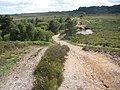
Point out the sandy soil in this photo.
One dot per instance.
(88, 70)
(21, 78)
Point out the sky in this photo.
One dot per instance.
(32, 6)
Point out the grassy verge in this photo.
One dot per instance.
(12, 51)
(115, 52)
(6, 46)
(49, 71)
(9, 59)
(10, 46)
(112, 51)
(109, 50)
(36, 42)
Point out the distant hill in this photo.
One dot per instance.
(100, 9)
(80, 11)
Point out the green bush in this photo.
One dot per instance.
(7, 37)
(0, 38)
(42, 35)
(49, 71)
(45, 84)
(57, 52)
(40, 24)
(0, 35)
(54, 26)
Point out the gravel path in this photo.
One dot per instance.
(88, 70)
(21, 78)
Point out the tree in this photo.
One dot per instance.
(61, 20)
(7, 37)
(70, 27)
(0, 35)
(36, 21)
(68, 19)
(5, 25)
(54, 26)
(15, 33)
(22, 29)
(100, 9)
(62, 27)
(43, 25)
(81, 16)
(29, 31)
(39, 34)
(49, 35)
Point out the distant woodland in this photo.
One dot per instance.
(100, 9)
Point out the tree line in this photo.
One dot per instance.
(22, 31)
(33, 29)
(100, 9)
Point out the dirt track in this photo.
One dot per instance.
(21, 78)
(88, 70)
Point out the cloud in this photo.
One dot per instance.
(115, 1)
(5, 3)
(28, 6)
(25, 6)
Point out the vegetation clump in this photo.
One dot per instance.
(27, 30)
(10, 54)
(49, 72)
(106, 34)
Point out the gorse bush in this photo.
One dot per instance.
(49, 71)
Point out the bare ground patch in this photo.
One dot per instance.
(21, 78)
(88, 70)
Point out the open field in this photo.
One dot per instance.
(106, 32)
(47, 15)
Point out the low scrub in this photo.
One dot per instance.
(6, 46)
(10, 46)
(36, 42)
(9, 59)
(112, 51)
(49, 71)
(106, 37)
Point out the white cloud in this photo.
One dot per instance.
(115, 1)
(27, 6)
(16, 1)
(74, 4)
(39, 5)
